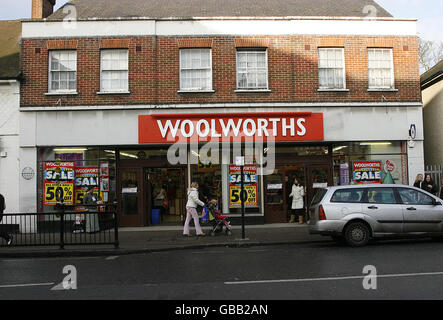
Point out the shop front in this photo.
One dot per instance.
(146, 168)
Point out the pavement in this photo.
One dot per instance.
(157, 239)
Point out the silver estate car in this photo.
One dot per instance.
(361, 212)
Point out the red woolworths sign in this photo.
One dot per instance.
(171, 128)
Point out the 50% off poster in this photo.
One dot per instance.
(59, 183)
(250, 186)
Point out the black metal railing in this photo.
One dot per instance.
(65, 227)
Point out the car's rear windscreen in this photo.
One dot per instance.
(318, 196)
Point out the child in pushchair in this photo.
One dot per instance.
(218, 221)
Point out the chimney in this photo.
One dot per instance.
(42, 8)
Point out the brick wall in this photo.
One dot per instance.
(154, 70)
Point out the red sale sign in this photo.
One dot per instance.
(367, 172)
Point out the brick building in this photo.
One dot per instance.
(141, 88)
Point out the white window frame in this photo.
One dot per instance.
(118, 90)
(246, 89)
(392, 85)
(326, 88)
(207, 69)
(50, 72)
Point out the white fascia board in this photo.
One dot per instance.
(83, 29)
(287, 27)
(224, 106)
(217, 27)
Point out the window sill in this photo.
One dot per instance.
(332, 90)
(62, 93)
(195, 91)
(382, 90)
(252, 91)
(113, 92)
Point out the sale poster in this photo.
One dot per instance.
(367, 172)
(86, 177)
(250, 186)
(59, 183)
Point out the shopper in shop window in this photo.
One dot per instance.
(191, 211)
(92, 222)
(418, 181)
(429, 185)
(297, 195)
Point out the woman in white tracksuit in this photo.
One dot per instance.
(297, 194)
(191, 211)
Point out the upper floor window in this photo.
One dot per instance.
(114, 70)
(252, 69)
(62, 71)
(381, 70)
(331, 68)
(195, 70)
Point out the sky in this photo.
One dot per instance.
(428, 12)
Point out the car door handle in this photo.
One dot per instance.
(373, 207)
(411, 209)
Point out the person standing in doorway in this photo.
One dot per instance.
(288, 189)
(297, 194)
(191, 211)
(3, 235)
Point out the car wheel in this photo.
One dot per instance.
(357, 234)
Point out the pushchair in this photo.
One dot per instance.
(218, 221)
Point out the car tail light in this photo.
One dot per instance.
(321, 213)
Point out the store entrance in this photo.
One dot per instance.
(150, 196)
(165, 198)
(278, 187)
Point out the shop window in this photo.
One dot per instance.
(376, 162)
(221, 180)
(88, 166)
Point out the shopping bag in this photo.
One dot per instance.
(205, 217)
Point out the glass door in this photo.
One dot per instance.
(130, 204)
(274, 197)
